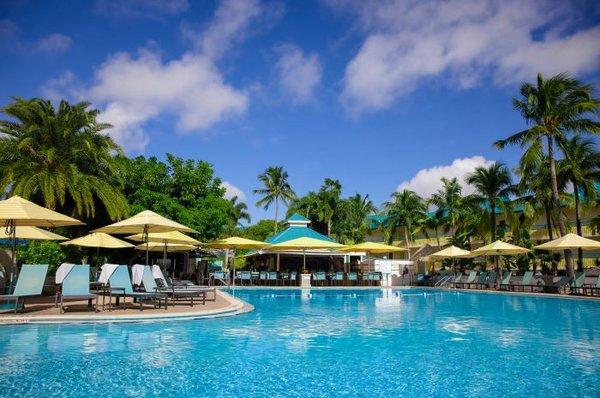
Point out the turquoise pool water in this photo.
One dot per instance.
(322, 343)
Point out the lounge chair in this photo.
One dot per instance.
(337, 279)
(525, 282)
(420, 280)
(76, 286)
(592, 290)
(150, 286)
(376, 278)
(319, 278)
(293, 279)
(353, 278)
(162, 283)
(245, 277)
(120, 287)
(29, 284)
(455, 280)
(480, 280)
(490, 281)
(470, 279)
(273, 278)
(559, 286)
(263, 277)
(505, 281)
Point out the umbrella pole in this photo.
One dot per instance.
(145, 237)
(12, 231)
(304, 260)
(165, 259)
(233, 265)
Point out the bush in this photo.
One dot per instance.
(35, 252)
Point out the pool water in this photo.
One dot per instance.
(322, 343)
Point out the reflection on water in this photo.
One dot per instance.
(322, 343)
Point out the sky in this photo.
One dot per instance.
(382, 95)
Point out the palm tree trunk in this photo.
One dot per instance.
(329, 227)
(437, 237)
(548, 222)
(555, 196)
(578, 222)
(493, 236)
(276, 212)
(406, 239)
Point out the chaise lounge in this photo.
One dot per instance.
(30, 283)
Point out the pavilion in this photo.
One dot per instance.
(297, 226)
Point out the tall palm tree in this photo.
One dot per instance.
(406, 210)
(276, 188)
(581, 167)
(237, 212)
(329, 200)
(357, 209)
(554, 107)
(432, 222)
(60, 157)
(449, 203)
(493, 185)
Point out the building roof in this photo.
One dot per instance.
(297, 217)
(294, 232)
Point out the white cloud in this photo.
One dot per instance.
(427, 181)
(298, 74)
(54, 43)
(231, 191)
(133, 89)
(11, 38)
(140, 8)
(461, 42)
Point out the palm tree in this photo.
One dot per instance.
(329, 200)
(354, 223)
(493, 185)
(555, 107)
(237, 212)
(449, 203)
(406, 209)
(432, 222)
(581, 167)
(60, 157)
(276, 188)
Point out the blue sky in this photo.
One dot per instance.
(380, 95)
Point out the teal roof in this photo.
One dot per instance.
(297, 217)
(293, 232)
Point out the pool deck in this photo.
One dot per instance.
(42, 310)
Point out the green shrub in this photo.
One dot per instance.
(35, 252)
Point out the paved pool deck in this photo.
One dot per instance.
(43, 310)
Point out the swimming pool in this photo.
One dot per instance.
(322, 343)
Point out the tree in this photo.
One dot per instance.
(554, 107)
(328, 201)
(581, 167)
(493, 185)
(259, 231)
(351, 219)
(60, 158)
(186, 191)
(449, 203)
(432, 222)
(276, 188)
(237, 213)
(406, 209)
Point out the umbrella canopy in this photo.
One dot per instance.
(165, 237)
(373, 248)
(98, 240)
(305, 244)
(31, 233)
(570, 241)
(21, 212)
(499, 248)
(170, 247)
(146, 221)
(235, 242)
(451, 252)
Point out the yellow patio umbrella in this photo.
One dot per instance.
(18, 212)
(499, 248)
(373, 248)
(165, 238)
(570, 241)
(145, 222)
(170, 247)
(305, 244)
(452, 252)
(32, 233)
(236, 242)
(98, 240)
